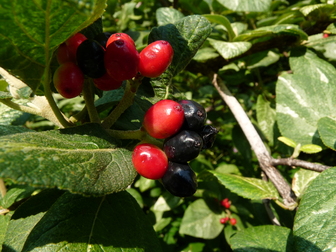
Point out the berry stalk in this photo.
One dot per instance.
(127, 100)
(88, 95)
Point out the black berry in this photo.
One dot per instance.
(194, 113)
(102, 38)
(184, 146)
(90, 58)
(208, 134)
(180, 180)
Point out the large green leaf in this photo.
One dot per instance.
(266, 118)
(83, 160)
(327, 131)
(186, 36)
(54, 221)
(200, 221)
(250, 188)
(315, 220)
(229, 50)
(247, 5)
(301, 180)
(305, 96)
(166, 15)
(31, 30)
(262, 239)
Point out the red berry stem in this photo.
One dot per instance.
(88, 95)
(126, 101)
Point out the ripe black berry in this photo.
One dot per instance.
(184, 146)
(180, 180)
(208, 134)
(90, 58)
(194, 113)
(102, 38)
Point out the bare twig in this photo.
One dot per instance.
(3, 189)
(256, 143)
(299, 163)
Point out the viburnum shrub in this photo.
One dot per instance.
(124, 125)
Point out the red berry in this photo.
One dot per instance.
(149, 161)
(226, 203)
(73, 43)
(224, 220)
(325, 35)
(121, 60)
(68, 80)
(155, 58)
(233, 221)
(106, 83)
(63, 54)
(117, 36)
(163, 119)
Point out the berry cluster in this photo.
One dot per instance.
(226, 203)
(182, 126)
(108, 59)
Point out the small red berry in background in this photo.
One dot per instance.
(68, 80)
(224, 220)
(106, 83)
(121, 60)
(72, 44)
(155, 58)
(117, 36)
(233, 221)
(226, 203)
(163, 119)
(325, 35)
(149, 161)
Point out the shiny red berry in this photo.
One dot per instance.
(73, 43)
(163, 119)
(224, 220)
(149, 161)
(233, 221)
(68, 80)
(155, 58)
(121, 60)
(117, 36)
(63, 54)
(106, 83)
(226, 203)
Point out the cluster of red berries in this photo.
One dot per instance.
(182, 126)
(226, 203)
(108, 59)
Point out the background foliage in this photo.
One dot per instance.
(276, 57)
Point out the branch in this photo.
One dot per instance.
(300, 163)
(256, 143)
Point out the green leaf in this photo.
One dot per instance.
(247, 5)
(200, 221)
(305, 96)
(250, 188)
(229, 50)
(10, 129)
(166, 15)
(30, 32)
(273, 31)
(266, 118)
(4, 221)
(327, 131)
(222, 20)
(262, 59)
(53, 221)
(315, 220)
(186, 36)
(301, 180)
(14, 194)
(263, 238)
(287, 141)
(82, 160)
(311, 148)
(307, 10)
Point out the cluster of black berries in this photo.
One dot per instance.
(184, 146)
